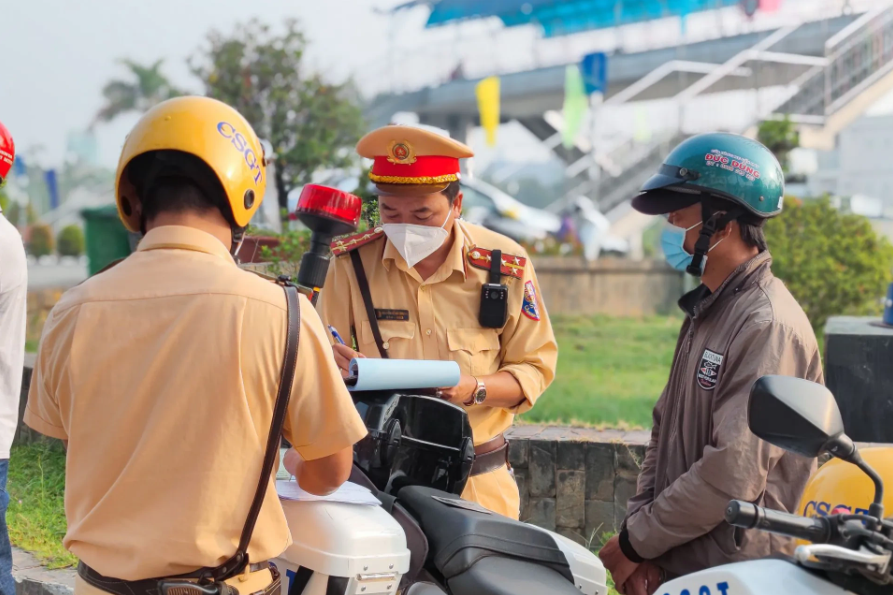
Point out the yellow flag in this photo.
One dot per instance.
(487, 92)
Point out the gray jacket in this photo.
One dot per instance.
(701, 453)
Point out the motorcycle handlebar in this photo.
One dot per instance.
(751, 516)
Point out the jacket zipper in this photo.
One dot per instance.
(678, 370)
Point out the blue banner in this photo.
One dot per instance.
(595, 73)
(52, 187)
(18, 166)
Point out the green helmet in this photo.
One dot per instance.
(726, 166)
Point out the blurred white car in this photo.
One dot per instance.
(489, 206)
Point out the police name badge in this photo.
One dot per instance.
(708, 369)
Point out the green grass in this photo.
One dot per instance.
(610, 371)
(31, 346)
(36, 515)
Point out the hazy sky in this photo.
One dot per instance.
(59, 53)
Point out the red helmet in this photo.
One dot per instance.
(7, 151)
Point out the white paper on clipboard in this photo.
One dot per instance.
(397, 374)
(348, 493)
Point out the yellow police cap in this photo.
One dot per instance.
(412, 160)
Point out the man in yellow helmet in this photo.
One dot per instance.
(161, 373)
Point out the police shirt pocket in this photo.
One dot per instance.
(394, 334)
(476, 350)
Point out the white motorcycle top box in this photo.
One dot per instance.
(359, 542)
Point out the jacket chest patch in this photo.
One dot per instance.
(708, 369)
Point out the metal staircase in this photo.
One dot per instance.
(631, 161)
(829, 93)
(859, 71)
(613, 190)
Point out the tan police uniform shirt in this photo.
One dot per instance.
(162, 374)
(440, 322)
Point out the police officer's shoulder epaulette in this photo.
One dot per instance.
(512, 266)
(350, 243)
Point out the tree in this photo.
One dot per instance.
(4, 202)
(40, 240)
(147, 88)
(370, 217)
(285, 259)
(780, 137)
(70, 241)
(311, 124)
(833, 263)
(15, 213)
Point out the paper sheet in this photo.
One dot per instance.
(401, 374)
(349, 493)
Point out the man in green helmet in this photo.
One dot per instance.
(717, 191)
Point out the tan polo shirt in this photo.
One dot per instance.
(437, 318)
(162, 374)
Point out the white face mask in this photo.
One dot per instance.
(415, 243)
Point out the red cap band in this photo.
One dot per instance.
(425, 170)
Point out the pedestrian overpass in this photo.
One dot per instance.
(831, 69)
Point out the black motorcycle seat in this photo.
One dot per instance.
(461, 534)
(507, 576)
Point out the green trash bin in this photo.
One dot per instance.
(105, 236)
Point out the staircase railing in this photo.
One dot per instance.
(614, 190)
(857, 57)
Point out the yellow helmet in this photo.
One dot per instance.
(209, 131)
(838, 484)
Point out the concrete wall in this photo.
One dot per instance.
(575, 481)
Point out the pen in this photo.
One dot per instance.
(336, 335)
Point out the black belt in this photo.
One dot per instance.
(149, 586)
(490, 455)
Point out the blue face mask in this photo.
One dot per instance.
(672, 241)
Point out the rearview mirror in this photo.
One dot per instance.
(797, 415)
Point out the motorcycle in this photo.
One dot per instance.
(423, 539)
(847, 553)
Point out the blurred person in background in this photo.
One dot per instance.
(13, 307)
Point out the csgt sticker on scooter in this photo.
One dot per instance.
(814, 508)
(720, 589)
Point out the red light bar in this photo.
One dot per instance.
(330, 203)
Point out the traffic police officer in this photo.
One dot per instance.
(741, 324)
(425, 270)
(161, 373)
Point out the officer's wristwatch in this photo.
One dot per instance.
(479, 394)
